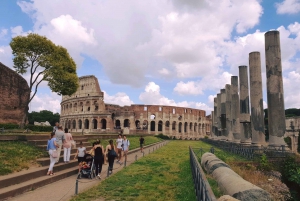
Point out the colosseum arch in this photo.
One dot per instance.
(74, 124)
(95, 124)
(152, 126)
(103, 123)
(167, 125)
(145, 125)
(86, 124)
(174, 126)
(118, 124)
(137, 124)
(179, 127)
(79, 124)
(126, 123)
(191, 126)
(160, 126)
(185, 127)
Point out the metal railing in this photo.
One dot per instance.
(202, 187)
(248, 151)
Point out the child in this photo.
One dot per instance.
(80, 152)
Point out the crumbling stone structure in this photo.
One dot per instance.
(85, 111)
(15, 93)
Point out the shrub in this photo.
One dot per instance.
(9, 126)
(162, 136)
(264, 164)
(39, 128)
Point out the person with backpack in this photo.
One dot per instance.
(125, 146)
(111, 154)
(98, 158)
(51, 147)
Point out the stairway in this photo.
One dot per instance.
(26, 180)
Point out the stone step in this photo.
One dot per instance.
(23, 176)
(46, 161)
(73, 150)
(37, 182)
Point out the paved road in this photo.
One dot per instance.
(64, 189)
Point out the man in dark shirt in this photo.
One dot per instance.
(142, 140)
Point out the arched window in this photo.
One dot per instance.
(69, 124)
(179, 127)
(174, 126)
(74, 124)
(118, 124)
(86, 124)
(185, 127)
(152, 128)
(145, 125)
(95, 123)
(160, 124)
(126, 123)
(167, 124)
(103, 122)
(80, 124)
(137, 124)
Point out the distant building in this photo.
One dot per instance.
(85, 111)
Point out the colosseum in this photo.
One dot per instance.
(86, 112)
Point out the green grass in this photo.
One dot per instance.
(162, 175)
(16, 156)
(134, 141)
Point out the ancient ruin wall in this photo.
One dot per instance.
(14, 92)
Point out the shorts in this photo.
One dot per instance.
(119, 151)
(141, 145)
(80, 159)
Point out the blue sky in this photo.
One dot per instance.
(166, 52)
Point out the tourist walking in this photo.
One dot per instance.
(98, 158)
(59, 134)
(55, 128)
(125, 146)
(51, 147)
(119, 143)
(142, 140)
(111, 154)
(67, 145)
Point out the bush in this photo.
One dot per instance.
(162, 136)
(264, 164)
(39, 128)
(9, 126)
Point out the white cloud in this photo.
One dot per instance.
(6, 56)
(152, 96)
(288, 7)
(119, 98)
(47, 101)
(3, 32)
(189, 88)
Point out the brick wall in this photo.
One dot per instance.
(14, 92)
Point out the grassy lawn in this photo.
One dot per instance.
(134, 141)
(162, 175)
(16, 156)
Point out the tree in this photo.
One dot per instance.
(42, 116)
(45, 61)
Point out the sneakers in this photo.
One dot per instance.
(99, 176)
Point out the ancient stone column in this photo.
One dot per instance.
(244, 106)
(215, 121)
(257, 110)
(235, 109)
(219, 114)
(276, 113)
(223, 113)
(228, 112)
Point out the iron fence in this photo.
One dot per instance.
(250, 152)
(202, 187)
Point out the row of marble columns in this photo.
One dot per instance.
(231, 116)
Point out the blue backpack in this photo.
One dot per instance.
(48, 145)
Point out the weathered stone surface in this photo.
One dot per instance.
(276, 112)
(230, 182)
(219, 113)
(235, 109)
(85, 111)
(227, 198)
(257, 110)
(228, 112)
(15, 93)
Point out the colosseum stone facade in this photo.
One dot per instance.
(86, 112)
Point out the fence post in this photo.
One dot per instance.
(135, 157)
(76, 187)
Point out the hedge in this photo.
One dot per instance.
(29, 126)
